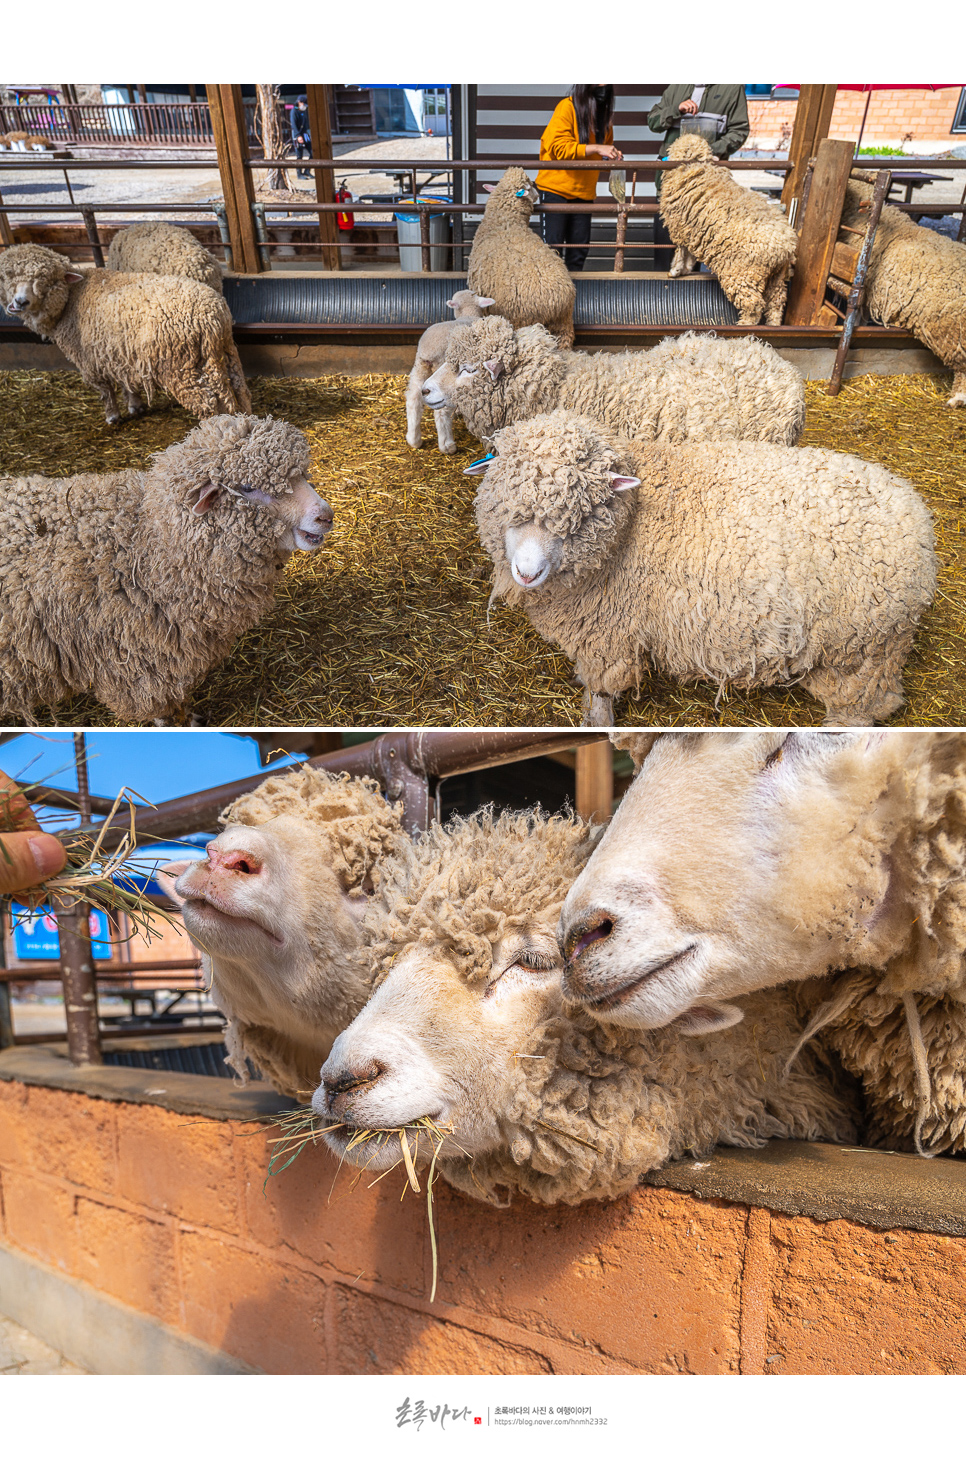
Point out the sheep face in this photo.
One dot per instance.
(690, 147)
(479, 357)
(551, 500)
(35, 283)
(736, 862)
(514, 193)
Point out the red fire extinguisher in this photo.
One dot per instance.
(344, 220)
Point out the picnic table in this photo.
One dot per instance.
(910, 180)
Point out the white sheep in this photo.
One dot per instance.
(743, 238)
(527, 280)
(692, 388)
(134, 584)
(163, 248)
(277, 905)
(133, 332)
(740, 562)
(430, 354)
(741, 861)
(467, 1028)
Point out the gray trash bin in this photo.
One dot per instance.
(410, 249)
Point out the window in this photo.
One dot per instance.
(959, 122)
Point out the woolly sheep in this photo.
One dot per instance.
(133, 332)
(277, 905)
(527, 280)
(162, 248)
(467, 1026)
(740, 562)
(136, 583)
(430, 354)
(742, 860)
(694, 388)
(916, 280)
(745, 240)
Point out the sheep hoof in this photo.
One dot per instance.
(598, 710)
(113, 418)
(416, 445)
(137, 410)
(956, 400)
(449, 449)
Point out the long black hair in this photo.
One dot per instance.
(587, 105)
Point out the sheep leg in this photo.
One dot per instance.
(678, 265)
(748, 300)
(239, 384)
(420, 373)
(872, 691)
(776, 292)
(105, 390)
(958, 397)
(444, 430)
(135, 406)
(598, 708)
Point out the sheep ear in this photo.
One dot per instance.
(206, 499)
(489, 187)
(707, 1018)
(483, 302)
(72, 276)
(621, 483)
(477, 468)
(495, 367)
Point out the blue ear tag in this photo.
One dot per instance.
(476, 468)
(522, 193)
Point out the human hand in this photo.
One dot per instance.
(27, 854)
(610, 154)
(688, 107)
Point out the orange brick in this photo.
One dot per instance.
(178, 1164)
(378, 1337)
(357, 1231)
(651, 1279)
(851, 1300)
(13, 1123)
(39, 1218)
(128, 1256)
(70, 1136)
(264, 1312)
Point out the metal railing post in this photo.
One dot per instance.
(76, 959)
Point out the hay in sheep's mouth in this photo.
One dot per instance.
(385, 623)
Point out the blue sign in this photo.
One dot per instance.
(35, 933)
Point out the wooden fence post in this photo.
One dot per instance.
(320, 130)
(237, 181)
(595, 781)
(813, 117)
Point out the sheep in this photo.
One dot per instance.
(162, 248)
(467, 1026)
(430, 354)
(24, 142)
(740, 562)
(277, 906)
(527, 280)
(136, 583)
(739, 861)
(693, 388)
(745, 240)
(916, 280)
(139, 332)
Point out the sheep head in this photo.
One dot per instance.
(467, 305)
(742, 860)
(467, 975)
(257, 461)
(690, 147)
(35, 284)
(514, 194)
(553, 499)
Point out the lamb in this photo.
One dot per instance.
(527, 280)
(430, 354)
(741, 562)
(138, 332)
(467, 1026)
(277, 905)
(162, 248)
(835, 863)
(916, 280)
(693, 388)
(745, 240)
(136, 583)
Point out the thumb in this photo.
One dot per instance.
(28, 857)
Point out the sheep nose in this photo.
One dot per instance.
(245, 863)
(589, 927)
(349, 1080)
(325, 517)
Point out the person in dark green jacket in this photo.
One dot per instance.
(724, 110)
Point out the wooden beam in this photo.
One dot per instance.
(595, 781)
(320, 130)
(813, 117)
(820, 227)
(237, 181)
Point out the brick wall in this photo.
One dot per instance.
(927, 115)
(166, 1213)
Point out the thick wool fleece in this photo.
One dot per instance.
(512, 265)
(601, 1106)
(695, 388)
(162, 248)
(351, 828)
(135, 332)
(744, 563)
(112, 583)
(916, 280)
(742, 238)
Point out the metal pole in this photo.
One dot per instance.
(76, 961)
(94, 238)
(6, 1014)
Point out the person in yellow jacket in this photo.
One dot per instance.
(578, 121)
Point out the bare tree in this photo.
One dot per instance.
(269, 127)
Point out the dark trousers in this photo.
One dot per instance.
(662, 256)
(300, 149)
(572, 228)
